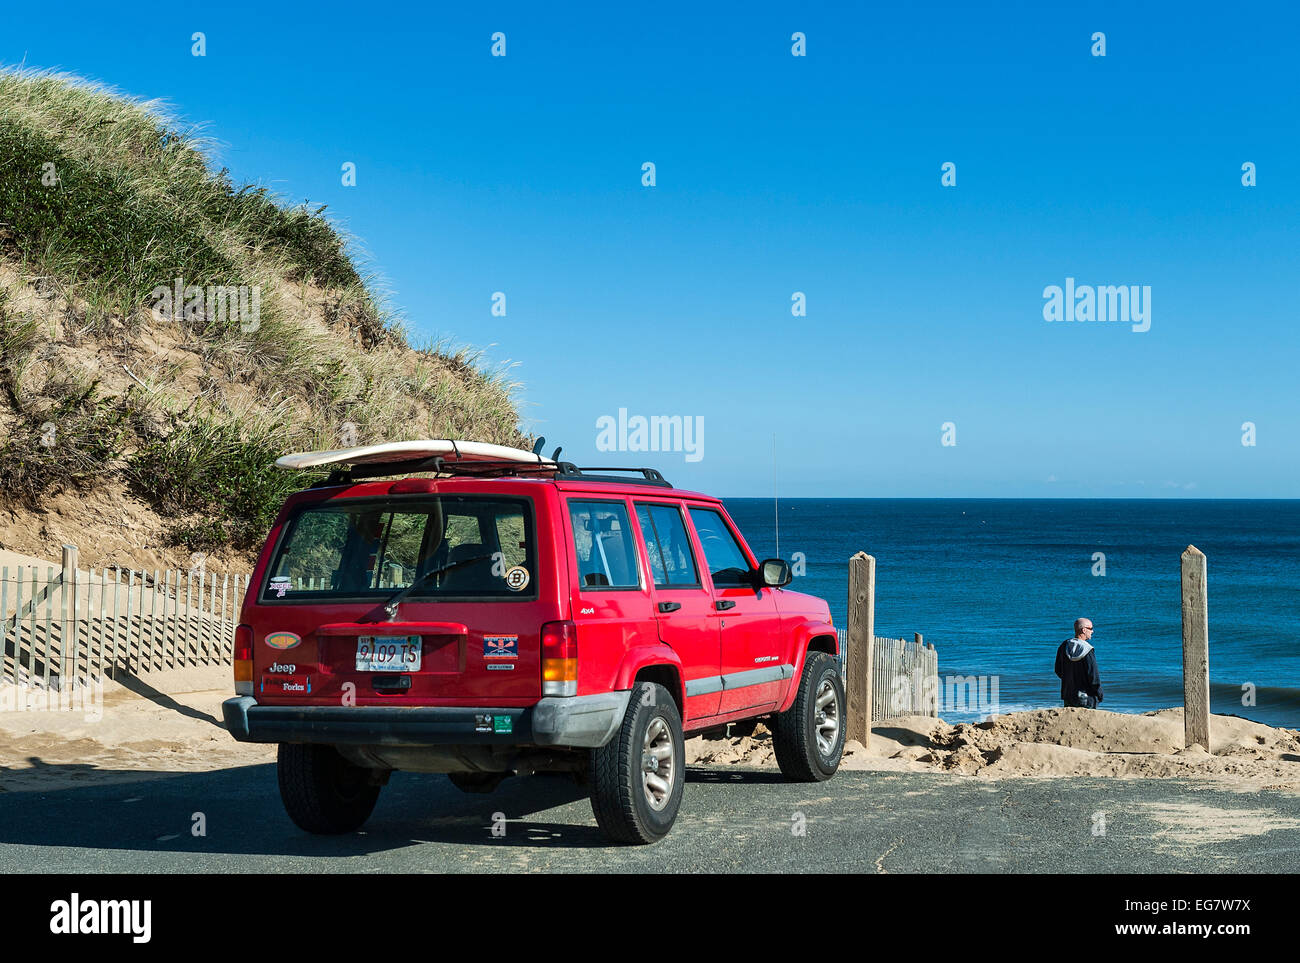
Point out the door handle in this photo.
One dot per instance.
(723, 604)
(669, 606)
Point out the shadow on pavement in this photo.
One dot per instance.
(243, 813)
(731, 774)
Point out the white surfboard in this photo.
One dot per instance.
(397, 451)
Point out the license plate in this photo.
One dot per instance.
(388, 653)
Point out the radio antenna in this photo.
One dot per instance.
(776, 504)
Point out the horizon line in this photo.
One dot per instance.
(1019, 498)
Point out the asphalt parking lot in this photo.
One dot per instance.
(733, 820)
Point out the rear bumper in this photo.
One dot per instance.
(582, 722)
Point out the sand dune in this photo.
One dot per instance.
(1053, 742)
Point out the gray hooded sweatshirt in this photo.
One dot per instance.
(1076, 664)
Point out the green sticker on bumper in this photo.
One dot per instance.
(503, 724)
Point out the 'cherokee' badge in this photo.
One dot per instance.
(283, 640)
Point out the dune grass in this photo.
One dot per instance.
(104, 202)
(70, 441)
(205, 465)
(113, 195)
(19, 336)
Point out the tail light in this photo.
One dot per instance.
(560, 659)
(243, 659)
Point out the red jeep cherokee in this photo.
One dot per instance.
(521, 618)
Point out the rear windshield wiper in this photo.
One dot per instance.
(391, 605)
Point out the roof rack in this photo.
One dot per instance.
(483, 469)
(563, 470)
(568, 471)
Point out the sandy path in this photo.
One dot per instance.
(123, 737)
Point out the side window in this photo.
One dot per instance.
(603, 541)
(668, 548)
(726, 559)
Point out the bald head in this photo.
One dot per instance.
(1083, 628)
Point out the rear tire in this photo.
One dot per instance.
(809, 738)
(322, 792)
(638, 777)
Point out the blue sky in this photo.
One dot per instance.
(776, 174)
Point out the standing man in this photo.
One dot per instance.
(1076, 664)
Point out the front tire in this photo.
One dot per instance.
(637, 778)
(809, 738)
(322, 792)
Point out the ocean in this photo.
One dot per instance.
(996, 584)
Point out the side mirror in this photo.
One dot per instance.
(775, 573)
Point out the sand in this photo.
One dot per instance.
(167, 722)
(170, 722)
(1053, 743)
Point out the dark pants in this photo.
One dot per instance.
(1082, 701)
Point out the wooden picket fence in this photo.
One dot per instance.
(64, 625)
(899, 668)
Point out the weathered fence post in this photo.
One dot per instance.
(1196, 650)
(919, 676)
(68, 613)
(862, 643)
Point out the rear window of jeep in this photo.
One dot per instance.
(455, 546)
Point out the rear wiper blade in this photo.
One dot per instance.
(391, 605)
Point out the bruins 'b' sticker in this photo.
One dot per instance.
(517, 578)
